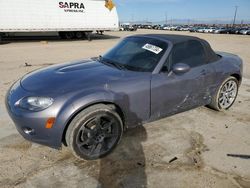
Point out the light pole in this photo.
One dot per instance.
(235, 15)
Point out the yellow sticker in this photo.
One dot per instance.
(109, 4)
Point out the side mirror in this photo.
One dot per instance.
(181, 68)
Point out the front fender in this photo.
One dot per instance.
(77, 103)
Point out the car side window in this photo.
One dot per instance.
(191, 53)
(196, 53)
(179, 54)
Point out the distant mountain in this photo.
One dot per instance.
(190, 21)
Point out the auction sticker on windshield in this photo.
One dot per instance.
(152, 48)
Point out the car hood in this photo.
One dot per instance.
(71, 77)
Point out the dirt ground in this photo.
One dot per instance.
(200, 138)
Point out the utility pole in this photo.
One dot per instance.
(235, 15)
(166, 18)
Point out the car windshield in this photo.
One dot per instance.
(136, 54)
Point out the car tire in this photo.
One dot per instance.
(225, 94)
(94, 132)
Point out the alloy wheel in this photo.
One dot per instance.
(228, 94)
(98, 135)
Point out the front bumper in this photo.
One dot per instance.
(31, 125)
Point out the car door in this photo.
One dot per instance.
(172, 93)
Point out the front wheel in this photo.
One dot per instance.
(226, 94)
(94, 132)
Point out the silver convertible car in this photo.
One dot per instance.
(87, 105)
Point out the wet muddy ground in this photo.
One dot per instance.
(196, 142)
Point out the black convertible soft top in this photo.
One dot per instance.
(174, 39)
(177, 39)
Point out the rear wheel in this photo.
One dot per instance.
(94, 132)
(79, 35)
(226, 94)
(88, 35)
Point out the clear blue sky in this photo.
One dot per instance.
(155, 10)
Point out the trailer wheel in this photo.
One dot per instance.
(88, 35)
(69, 35)
(79, 35)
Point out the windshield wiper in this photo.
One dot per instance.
(112, 63)
(117, 65)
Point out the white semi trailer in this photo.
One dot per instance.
(68, 19)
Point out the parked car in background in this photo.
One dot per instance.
(128, 27)
(245, 31)
(222, 30)
(177, 28)
(174, 28)
(201, 30)
(88, 104)
(191, 28)
(166, 27)
(157, 27)
(185, 28)
(248, 32)
(149, 27)
(235, 30)
(209, 30)
(194, 29)
(238, 31)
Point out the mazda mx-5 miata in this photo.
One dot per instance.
(87, 105)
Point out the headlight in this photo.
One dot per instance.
(34, 103)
